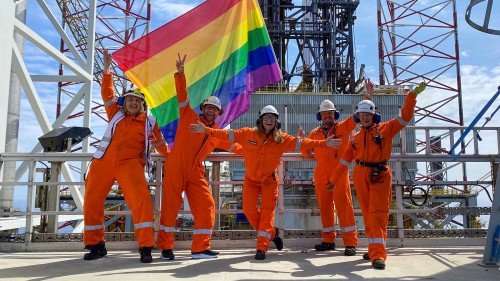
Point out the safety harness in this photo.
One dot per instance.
(376, 167)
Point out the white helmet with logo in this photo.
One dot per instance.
(268, 109)
(326, 105)
(213, 100)
(365, 106)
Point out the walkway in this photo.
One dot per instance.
(446, 263)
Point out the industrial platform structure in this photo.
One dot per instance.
(435, 196)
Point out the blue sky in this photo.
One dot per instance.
(479, 64)
(479, 53)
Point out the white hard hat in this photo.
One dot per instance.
(213, 100)
(136, 92)
(268, 109)
(326, 105)
(365, 106)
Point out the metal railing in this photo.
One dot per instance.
(426, 152)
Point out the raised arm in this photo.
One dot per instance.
(107, 62)
(107, 89)
(410, 102)
(179, 64)
(369, 90)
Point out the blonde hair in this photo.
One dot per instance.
(275, 132)
(124, 107)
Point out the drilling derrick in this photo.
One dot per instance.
(418, 42)
(313, 43)
(118, 23)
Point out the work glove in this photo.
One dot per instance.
(420, 88)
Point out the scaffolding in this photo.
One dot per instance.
(418, 42)
(118, 23)
(313, 42)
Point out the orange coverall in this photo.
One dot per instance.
(262, 158)
(123, 161)
(184, 172)
(374, 193)
(340, 197)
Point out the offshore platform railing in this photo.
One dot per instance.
(432, 143)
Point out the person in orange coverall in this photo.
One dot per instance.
(121, 156)
(262, 148)
(370, 149)
(328, 159)
(184, 172)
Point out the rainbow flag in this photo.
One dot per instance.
(228, 55)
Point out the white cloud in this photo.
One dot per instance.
(496, 71)
(478, 86)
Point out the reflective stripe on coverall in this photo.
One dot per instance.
(122, 161)
(184, 172)
(340, 197)
(262, 158)
(375, 196)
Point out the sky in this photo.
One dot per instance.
(479, 63)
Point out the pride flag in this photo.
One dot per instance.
(228, 55)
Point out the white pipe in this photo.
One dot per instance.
(13, 114)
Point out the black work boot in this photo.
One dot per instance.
(260, 255)
(97, 251)
(146, 254)
(278, 242)
(167, 255)
(324, 246)
(350, 251)
(378, 264)
(366, 256)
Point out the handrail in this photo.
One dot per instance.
(397, 159)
